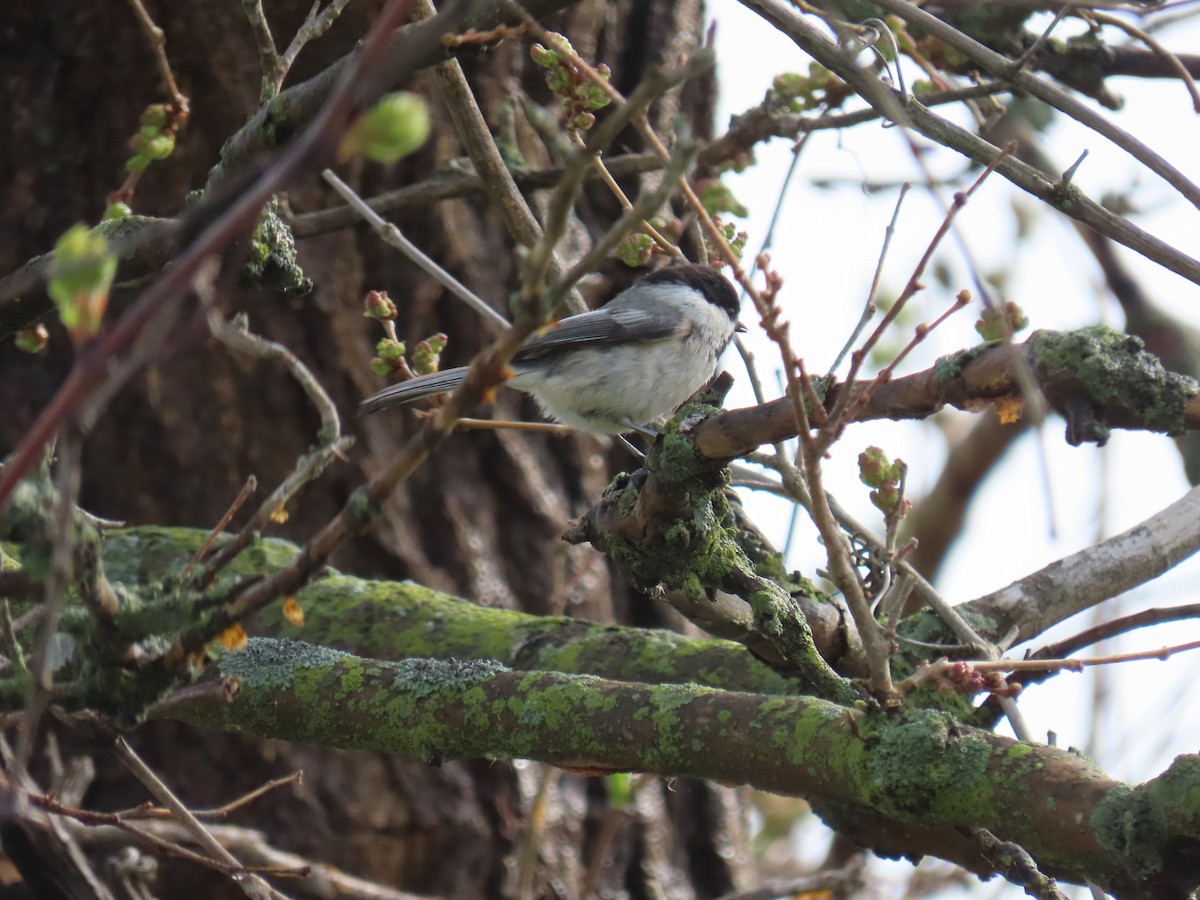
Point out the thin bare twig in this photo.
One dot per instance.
(275, 66)
(497, 424)
(1040, 42)
(315, 25)
(1079, 664)
(330, 443)
(322, 881)
(220, 812)
(58, 582)
(496, 179)
(392, 236)
(268, 55)
(1172, 61)
(93, 819)
(869, 307)
(1105, 630)
(158, 44)
(248, 488)
(252, 885)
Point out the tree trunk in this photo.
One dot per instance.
(482, 519)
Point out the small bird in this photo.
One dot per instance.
(617, 368)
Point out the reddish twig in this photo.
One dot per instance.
(248, 488)
(157, 812)
(843, 411)
(1106, 630)
(170, 848)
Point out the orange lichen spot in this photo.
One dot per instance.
(1009, 409)
(233, 638)
(293, 612)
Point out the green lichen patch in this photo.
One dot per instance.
(1132, 826)
(695, 554)
(271, 663)
(273, 254)
(1097, 378)
(428, 676)
(924, 765)
(951, 366)
(1139, 824)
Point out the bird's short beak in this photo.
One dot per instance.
(738, 326)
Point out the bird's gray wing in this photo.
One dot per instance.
(596, 329)
(414, 389)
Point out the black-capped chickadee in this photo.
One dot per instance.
(619, 367)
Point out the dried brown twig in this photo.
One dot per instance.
(1171, 60)
(158, 44)
(251, 884)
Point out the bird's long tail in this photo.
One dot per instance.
(414, 389)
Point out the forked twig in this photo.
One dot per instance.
(251, 884)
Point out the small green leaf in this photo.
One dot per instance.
(544, 57)
(393, 128)
(635, 250)
(996, 326)
(427, 355)
(378, 305)
(115, 211)
(80, 276)
(620, 789)
(389, 349)
(717, 198)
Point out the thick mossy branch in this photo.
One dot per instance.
(671, 526)
(395, 620)
(921, 767)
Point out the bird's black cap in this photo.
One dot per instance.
(712, 284)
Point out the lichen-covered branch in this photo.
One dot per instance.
(1096, 378)
(393, 620)
(920, 767)
(670, 526)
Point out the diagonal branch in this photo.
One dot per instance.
(1060, 194)
(1082, 580)
(1005, 69)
